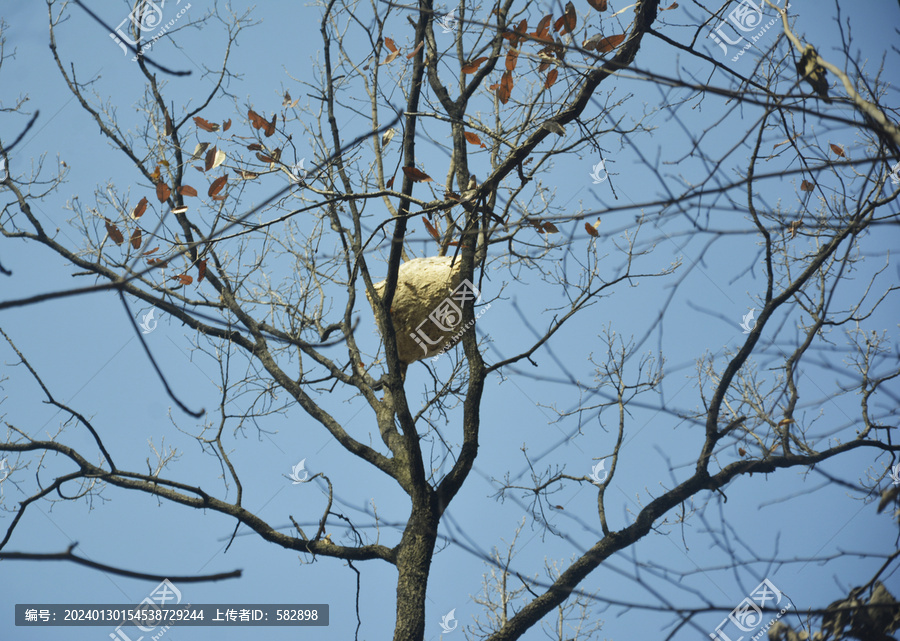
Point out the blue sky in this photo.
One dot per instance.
(87, 354)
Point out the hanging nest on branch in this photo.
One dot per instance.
(427, 306)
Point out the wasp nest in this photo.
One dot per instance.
(427, 306)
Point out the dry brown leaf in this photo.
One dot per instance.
(560, 23)
(473, 139)
(472, 66)
(608, 44)
(543, 28)
(219, 159)
(270, 126)
(551, 78)
(570, 19)
(199, 150)
(512, 57)
(211, 157)
(515, 36)
(412, 55)
(114, 233)
(416, 175)
(601, 44)
(162, 191)
(217, 186)
(505, 89)
(136, 238)
(140, 208)
(431, 229)
(205, 125)
(256, 120)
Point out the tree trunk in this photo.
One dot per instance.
(413, 566)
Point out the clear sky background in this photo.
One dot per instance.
(85, 350)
